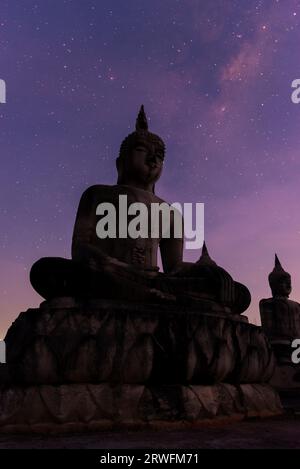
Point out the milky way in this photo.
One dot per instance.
(215, 78)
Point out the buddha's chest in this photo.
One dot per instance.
(128, 228)
(128, 214)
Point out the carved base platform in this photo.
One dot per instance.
(74, 365)
(67, 341)
(81, 407)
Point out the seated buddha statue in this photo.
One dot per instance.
(280, 316)
(125, 268)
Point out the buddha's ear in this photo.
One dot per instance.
(118, 163)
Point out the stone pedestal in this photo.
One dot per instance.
(65, 341)
(80, 407)
(103, 363)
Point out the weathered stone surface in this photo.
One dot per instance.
(286, 377)
(65, 341)
(102, 406)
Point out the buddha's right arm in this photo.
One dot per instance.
(83, 249)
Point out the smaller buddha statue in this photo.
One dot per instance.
(280, 281)
(280, 316)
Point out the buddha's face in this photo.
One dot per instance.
(144, 162)
(283, 286)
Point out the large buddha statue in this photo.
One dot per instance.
(125, 268)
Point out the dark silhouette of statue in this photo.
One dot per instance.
(120, 343)
(280, 281)
(280, 316)
(280, 320)
(126, 268)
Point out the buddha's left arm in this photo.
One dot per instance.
(171, 250)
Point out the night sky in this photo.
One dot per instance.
(215, 78)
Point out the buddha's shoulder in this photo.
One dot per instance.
(98, 190)
(102, 191)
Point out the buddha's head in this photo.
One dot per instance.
(141, 157)
(280, 281)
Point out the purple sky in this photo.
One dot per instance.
(215, 78)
